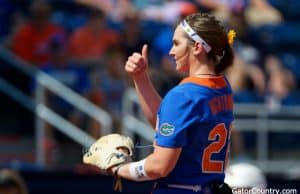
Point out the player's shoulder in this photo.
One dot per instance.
(179, 90)
(186, 92)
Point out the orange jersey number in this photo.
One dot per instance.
(209, 165)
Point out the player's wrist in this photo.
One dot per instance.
(115, 169)
(140, 77)
(137, 171)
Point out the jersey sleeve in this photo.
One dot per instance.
(176, 114)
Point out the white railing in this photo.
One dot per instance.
(44, 81)
(258, 120)
(76, 100)
(132, 121)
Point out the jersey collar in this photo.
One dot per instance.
(211, 82)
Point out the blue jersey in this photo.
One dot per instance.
(196, 116)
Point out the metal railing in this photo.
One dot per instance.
(44, 81)
(249, 117)
(132, 119)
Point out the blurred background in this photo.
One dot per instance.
(63, 85)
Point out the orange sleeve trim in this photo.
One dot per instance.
(213, 82)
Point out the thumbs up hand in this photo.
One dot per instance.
(137, 63)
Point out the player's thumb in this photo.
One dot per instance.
(145, 52)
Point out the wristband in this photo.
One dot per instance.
(137, 171)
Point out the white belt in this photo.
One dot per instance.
(195, 188)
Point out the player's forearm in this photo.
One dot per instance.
(149, 98)
(142, 170)
(158, 164)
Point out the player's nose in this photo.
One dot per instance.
(171, 52)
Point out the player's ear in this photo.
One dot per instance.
(198, 48)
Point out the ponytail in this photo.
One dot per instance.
(226, 61)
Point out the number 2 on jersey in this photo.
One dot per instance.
(209, 165)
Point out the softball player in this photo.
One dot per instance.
(193, 120)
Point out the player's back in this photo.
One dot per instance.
(210, 110)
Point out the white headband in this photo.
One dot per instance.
(193, 35)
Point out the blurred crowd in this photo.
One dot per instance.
(85, 43)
